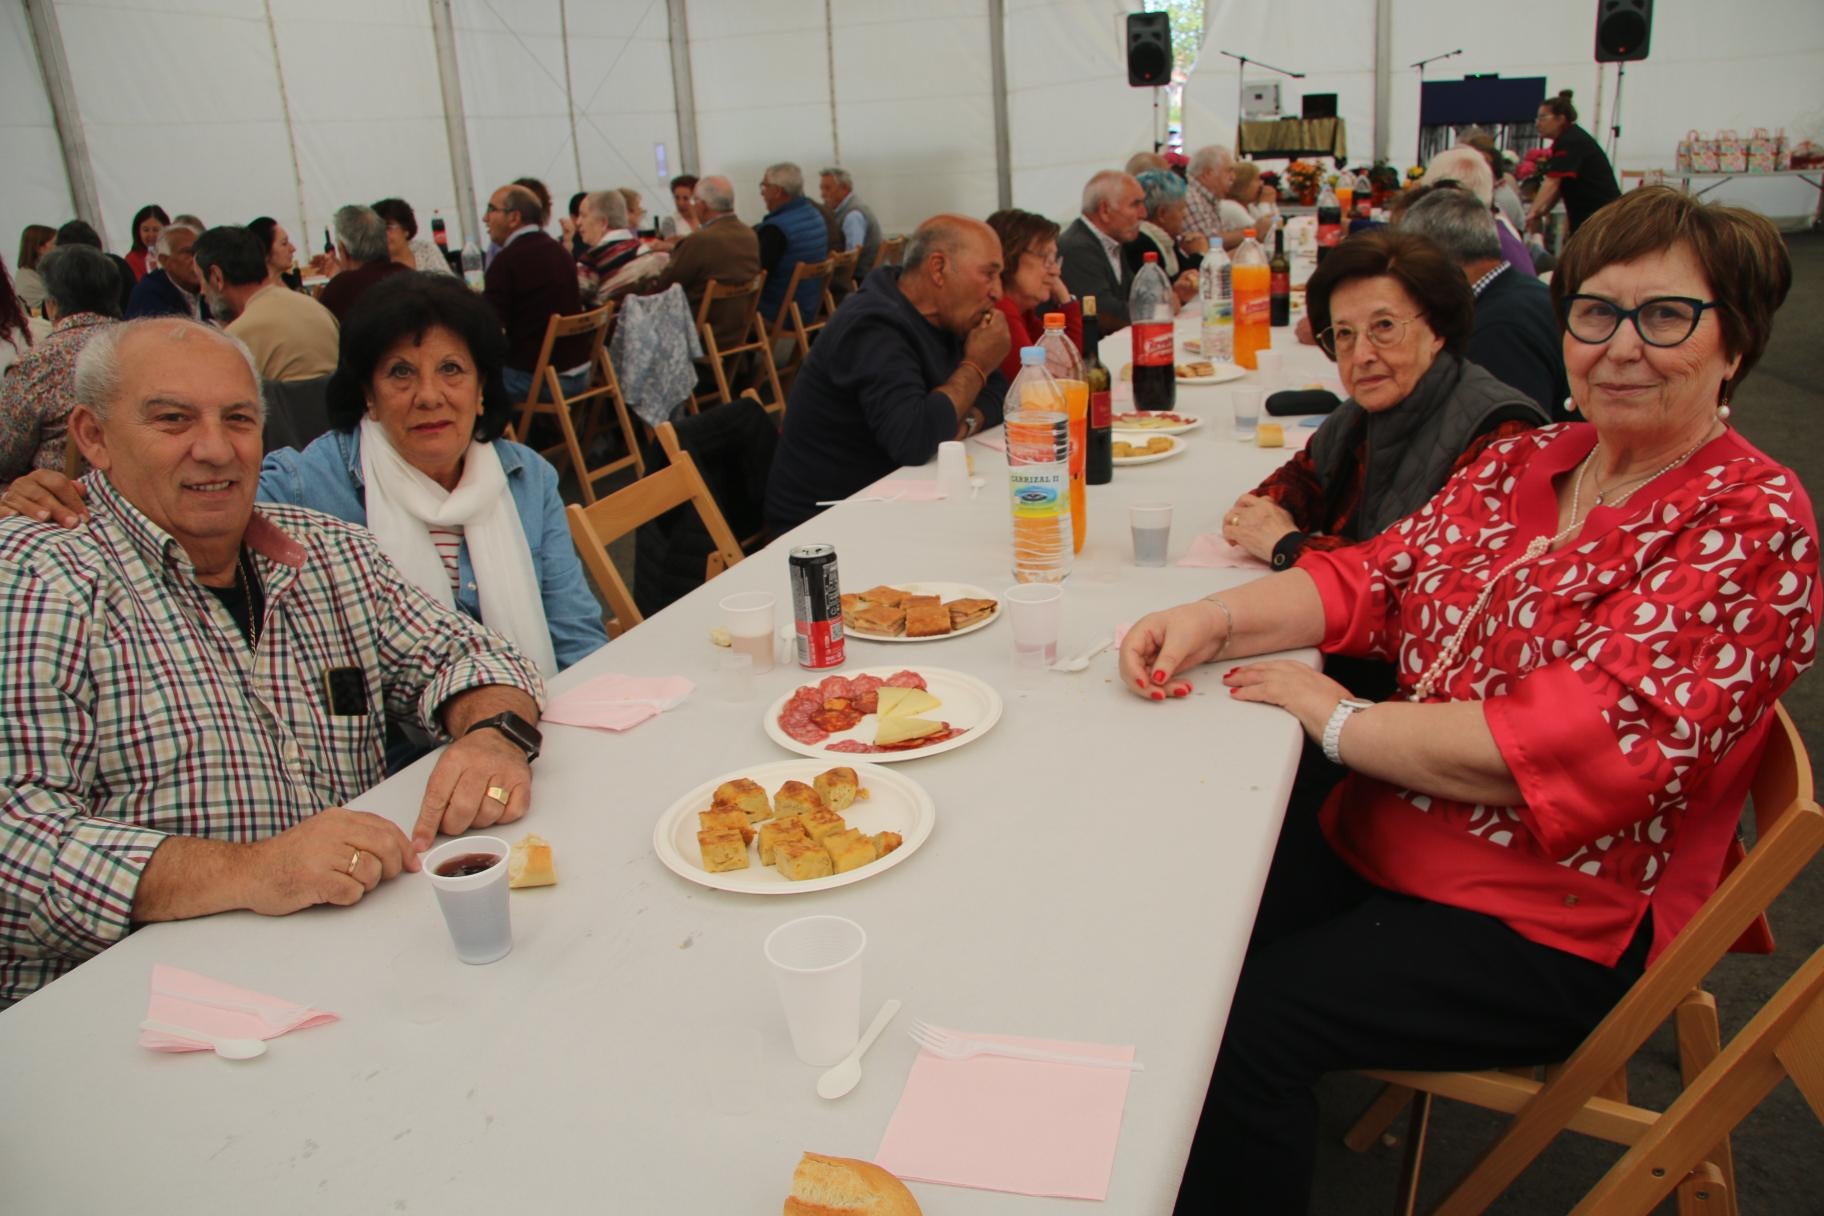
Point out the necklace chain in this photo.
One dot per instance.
(253, 621)
(1535, 549)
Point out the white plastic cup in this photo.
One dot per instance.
(1245, 402)
(474, 905)
(953, 470)
(816, 964)
(1269, 367)
(1151, 524)
(748, 616)
(735, 676)
(1037, 612)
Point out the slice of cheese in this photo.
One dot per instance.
(904, 702)
(898, 730)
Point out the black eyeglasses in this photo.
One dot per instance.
(1661, 321)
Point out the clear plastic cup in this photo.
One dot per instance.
(953, 470)
(816, 964)
(1037, 613)
(1245, 402)
(474, 905)
(735, 676)
(1151, 524)
(748, 617)
(1269, 371)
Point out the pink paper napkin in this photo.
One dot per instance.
(618, 702)
(903, 489)
(993, 442)
(184, 998)
(1010, 1125)
(1211, 551)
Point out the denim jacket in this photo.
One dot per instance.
(326, 476)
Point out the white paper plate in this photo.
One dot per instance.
(1224, 373)
(1190, 423)
(1178, 445)
(895, 803)
(944, 591)
(967, 702)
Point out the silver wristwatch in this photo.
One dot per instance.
(1333, 729)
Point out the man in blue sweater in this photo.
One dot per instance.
(910, 361)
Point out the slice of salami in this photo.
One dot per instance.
(905, 679)
(834, 686)
(928, 741)
(837, 719)
(803, 730)
(853, 746)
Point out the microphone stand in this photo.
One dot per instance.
(1419, 148)
(1241, 87)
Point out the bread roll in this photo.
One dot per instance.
(841, 1186)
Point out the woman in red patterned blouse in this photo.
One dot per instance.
(1032, 283)
(1590, 624)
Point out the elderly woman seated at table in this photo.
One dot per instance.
(1261, 200)
(403, 244)
(37, 393)
(1591, 623)
(614, 258)
(1395, 314)
(1163, 232)
(1032, 282)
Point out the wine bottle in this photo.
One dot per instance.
(1099, 460)
(1279, 291)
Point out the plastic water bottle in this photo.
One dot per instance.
(1037, 431)
(1217, 287)
(471, 267)
(1151, 307)
(1066, 367)
(1253, 305)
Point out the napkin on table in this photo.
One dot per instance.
(617, 702)
(999, 1124)
(179, 997)
(905, 489)
(1210, 550)
(994, 441)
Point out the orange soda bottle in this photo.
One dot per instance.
(1066, 368)
(1253, 280)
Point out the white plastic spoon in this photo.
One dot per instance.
(840, 1078)
(228, 1049)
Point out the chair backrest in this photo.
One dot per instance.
(594, 322)
(891, 250)
(841, 282)
(297, 411)
(592, 528)
(815, 274)
(724, 302)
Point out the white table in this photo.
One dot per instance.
(629, 1055)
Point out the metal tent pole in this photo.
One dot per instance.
(47, 37)
(683, 87)
(455, 121)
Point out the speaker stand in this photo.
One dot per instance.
(1621, 71)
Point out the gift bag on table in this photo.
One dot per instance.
(1731, 152)
(1703, 153)
(1763, 153)
(1805, 155)
(1687, 147)
(1782, 151)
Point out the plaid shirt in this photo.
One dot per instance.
(36, 396)
(1205, 212)
(132, 709)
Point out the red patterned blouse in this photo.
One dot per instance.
(1627, 678)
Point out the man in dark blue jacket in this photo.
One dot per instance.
(793, 231)
(175, 288)
(907, 362)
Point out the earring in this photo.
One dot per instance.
(1570, 405)
(1722, 411)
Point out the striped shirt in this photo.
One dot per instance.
(131, 710)
(449, 548)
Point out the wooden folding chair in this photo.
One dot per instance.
(1587, 1093)
(891, 250)
(594, 526)
(841, 284)
(547, 397)
(729, 298)
(668, 439)
(1785, 1039)
(789, 323)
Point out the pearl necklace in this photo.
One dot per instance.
(1535, 549)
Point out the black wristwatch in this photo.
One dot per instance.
(1286, 552)
(521, 733)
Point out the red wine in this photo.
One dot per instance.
(1279, 290)
(467, 864)
(1099, 451)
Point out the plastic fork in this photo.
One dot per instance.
(950, 1045)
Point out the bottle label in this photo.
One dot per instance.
(1254, 310)
(1153, 344)
(1281, 283)
(1102, 409)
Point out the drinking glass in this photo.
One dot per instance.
(1151, 524)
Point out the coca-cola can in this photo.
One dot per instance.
(817, 606)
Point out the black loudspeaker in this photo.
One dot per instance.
(1317, 105)
(1149, 50)
(1623, 29)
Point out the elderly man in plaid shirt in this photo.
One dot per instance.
(191, 691)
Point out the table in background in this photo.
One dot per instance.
(1295, 137)
(1092, 875)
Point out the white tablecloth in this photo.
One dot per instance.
(1092, 875)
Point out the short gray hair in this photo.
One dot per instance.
(172, 229)
(609, 206)
(81, 279)
(98, 367)
(1103, 188)
(362, 232)
(716, 193)
(1464, 165)
(839, 176)
(1208, 157)
(785, 176)
(1457, 222)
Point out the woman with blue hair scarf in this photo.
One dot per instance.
(1163, 232)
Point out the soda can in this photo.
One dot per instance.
(817, 606)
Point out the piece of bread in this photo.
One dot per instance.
(747, 795)
(821, 822)
(927, 621)
(723, 849)
(837, 787)
(878, 619)
(842, 1186)
(727, 815)
(801, 859)
(797, 798)
(886, 842)
(905, 702)
(923, 601)
(852, 603)
(1270, 435)
(529, 864)
(775, 830)
(966, 612)
(892, 597)
(849, 850)
(1122, 449)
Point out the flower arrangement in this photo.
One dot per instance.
(1384, 176)
(1302, 179)
(1532, 166)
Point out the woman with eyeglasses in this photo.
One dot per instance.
(1032, 282)
(1591, 623)
(1395, 314)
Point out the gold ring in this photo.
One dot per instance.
(498, 793)
(354, 862)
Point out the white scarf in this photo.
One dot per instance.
(403, 504)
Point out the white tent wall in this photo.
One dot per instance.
(37, 189)
(1331, 41)
(761, 74)
(620, 76)
(356, 145)
(1070, 110)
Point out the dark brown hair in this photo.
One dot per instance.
(32, 240)
(1561, 105)
(1741, 252)
(1435, 283)
(1019, 232)
(398, 211)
